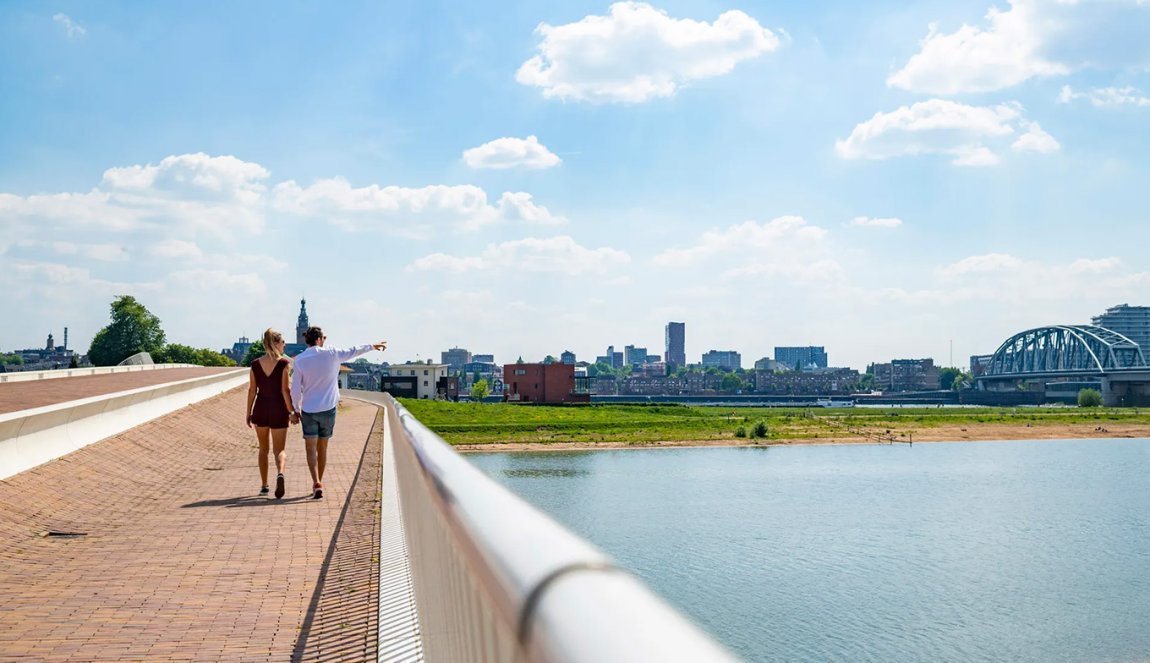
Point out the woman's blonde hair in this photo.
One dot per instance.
(271, 337)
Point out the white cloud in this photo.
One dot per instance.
(189, 193)
(1097, 266)
(503, 153)
(1106, 96)
(103, 252)
(637, 53)
(991, 263)
(214, 281)
(785, 247)
(176, 248)
(780, 234)
(415, 213)
(1031, 38)
(71, 28)
(938, 126)
(556, 255)
(1035, 140)
(871, 222)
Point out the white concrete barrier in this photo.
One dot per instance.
(32, 437)
(22, 376)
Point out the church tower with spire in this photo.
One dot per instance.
(301, 324)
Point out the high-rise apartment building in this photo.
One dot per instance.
(676, 347)
(1133, 322)
(634, 356)
(801, 357)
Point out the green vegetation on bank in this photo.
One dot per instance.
(486, 423)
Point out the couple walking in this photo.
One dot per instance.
(306, 392)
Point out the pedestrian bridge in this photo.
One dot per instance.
(149, 544)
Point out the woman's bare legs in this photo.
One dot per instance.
(279, 443)
(262, 436)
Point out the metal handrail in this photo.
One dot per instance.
(497, 580)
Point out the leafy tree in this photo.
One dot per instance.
(760, 429)
(133, 329)
(12, 359)
(1089, 398)
(175, 353)
(947, 376)
(550, 359)
(75, 363)
(731, 382)
(253, 353)
(480, 390)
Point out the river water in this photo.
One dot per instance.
(1002, 551)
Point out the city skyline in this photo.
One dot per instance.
(884, 180)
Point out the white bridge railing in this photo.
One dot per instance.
(490, 578)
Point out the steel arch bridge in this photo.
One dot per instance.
(1066, 350)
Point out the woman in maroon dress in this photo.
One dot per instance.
(269, 404)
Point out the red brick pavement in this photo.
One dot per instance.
(181, 560)
(25, 395)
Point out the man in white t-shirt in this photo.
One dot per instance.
(315, 395)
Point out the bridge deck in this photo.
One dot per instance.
(180, 559)
(16, 396)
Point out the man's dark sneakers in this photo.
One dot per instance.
(279, 486)
(317, 491)
(264, 491)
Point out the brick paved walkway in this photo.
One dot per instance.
(180, 560)
(15, 396)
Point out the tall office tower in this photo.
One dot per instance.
(1133, 322)
(676, 335)
(455, 358)
(801, 357)
(301, 324)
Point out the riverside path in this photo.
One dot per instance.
(152, 544)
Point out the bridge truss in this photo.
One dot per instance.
(1066, 350)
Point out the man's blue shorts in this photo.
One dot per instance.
(318, 424)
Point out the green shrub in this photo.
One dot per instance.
(1089, 398)
(760, 429)
(740, 432)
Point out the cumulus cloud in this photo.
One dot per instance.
(971, 135)
(102, 252)
(872, 222)
(71, 28)
(190, 192)
(1032, 38)
(637, 53)
(990, 263)
(1106, 96)
(503, 153)
(408, 212)
(779, 234)
(1007, 278)
(555, 255)
(785, 247)
(176, 248)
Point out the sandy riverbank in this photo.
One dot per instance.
(969, 433)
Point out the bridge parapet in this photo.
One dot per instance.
(496, 580)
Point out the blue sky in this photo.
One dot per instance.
(888, 180)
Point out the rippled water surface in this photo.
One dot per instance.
(1005, 551)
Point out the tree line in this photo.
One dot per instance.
(134, 329)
